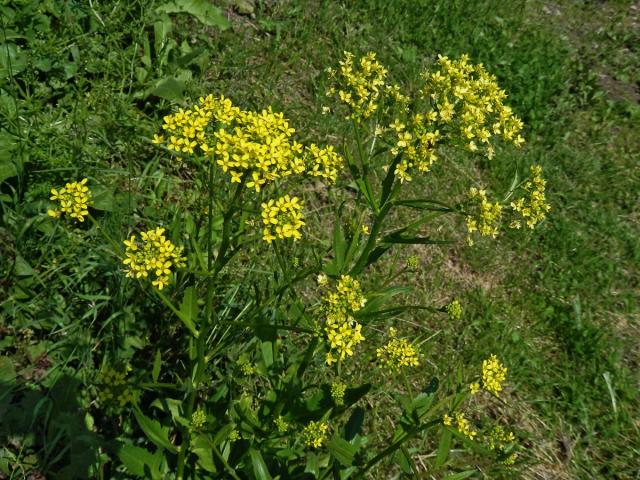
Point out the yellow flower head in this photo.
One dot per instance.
(342, 330)
(198, 419)
(338, 390)
(323, 162)
(454, 309)
(257, 146)
(533, 207)
(397, 354)
(74, 199)
(315, 434)
(154, 256)
(486, 219)
(359, 83)
(493, 375)
(469, 101)
(464, 426)
(113, 387)
(282, 218)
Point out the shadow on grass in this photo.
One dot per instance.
(44, 434)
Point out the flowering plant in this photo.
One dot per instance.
(269, 385)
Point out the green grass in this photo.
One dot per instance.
(559, 305)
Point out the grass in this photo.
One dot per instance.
(559, 305)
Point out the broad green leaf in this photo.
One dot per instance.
(312, 466)
(12, 60)
(443, 448)
(7, 170)
(102, 198)
(267, 353)
(342, 450)
(154, 431)
(352, 395)
(168, 88)
(354, 424)
(157, 364)
(22, 268)
(203, 10)
(140, 462)
(189, 305)
(388, 181)
(260, 469)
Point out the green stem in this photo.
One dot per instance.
(228, 467)
(395, 446)
(108, 237)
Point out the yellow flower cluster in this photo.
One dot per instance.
(252, 146)
(454, 309)
(338, 390)
(190, 129)
(323, 162)
(113, 386)
(397, 353)
(462, 424)
(493, 375)
(342, 330)
(499, 440)
(198, 419)
(74, 199)
(156, 255)
(358, 84)
(416, 143)
(532, 209)
(259, 148)
(281, 424)
(282, 218)
(467, 98)
(315, 434)
(487, 220)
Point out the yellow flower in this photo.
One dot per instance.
(338, 390)
(315, 434)
(397, 353)
(474, 388)
(343, 332)
(534, 207)
(493, 375)
(282, 218)
(155, 255)
(447, 420)
(464, 426)
(486, 220)
(74, 199)
(359, 84)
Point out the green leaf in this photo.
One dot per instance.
(157, 363)
(168, 88)
(22, 268)
(342, 450)
(7, 170)
(102, 198)
(354, 424)
(140, 462)
(260, 469)
(189, 305)
(154, 431)
(203, 10)
(12, 60)
(443, 448)
(313, 465)
(352, 395)
(267, 353)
